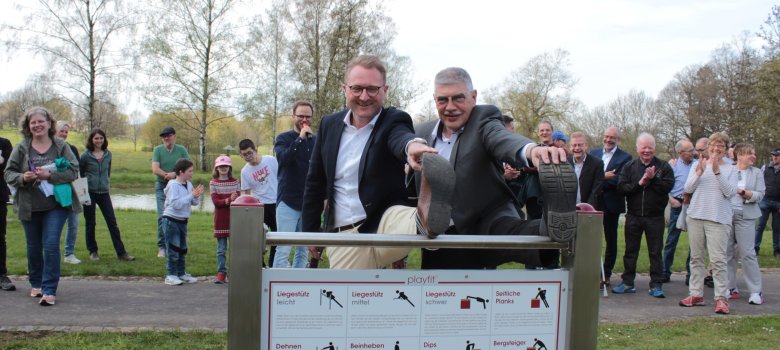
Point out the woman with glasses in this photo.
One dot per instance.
(38, 164)
(712, 183)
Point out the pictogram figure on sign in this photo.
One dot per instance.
(328, 294)
(538, 345)
(402, 296)
(541, 295)
(480, 300)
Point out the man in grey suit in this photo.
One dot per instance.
(473, 139)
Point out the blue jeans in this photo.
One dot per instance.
(768, 206)
(176, 239)
(73, 230)
(289, 220)
(159, 191)
(672, 236)
(221, 259)
(43, 233)
(102, 200)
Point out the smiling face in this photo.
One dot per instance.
(544, 132)
(454, 103)
(578, 147)
(645, 147)
(98, 141)
(39, 126)
(63, 132)
(716, 149)
(610, 139)
(365, 91)
(747, 158)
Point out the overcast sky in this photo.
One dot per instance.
(615, 45)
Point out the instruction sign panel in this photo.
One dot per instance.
(311, 309)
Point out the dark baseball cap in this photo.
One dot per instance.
(167, 131)
(776, 152)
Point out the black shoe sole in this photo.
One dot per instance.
(441, 181)
(559, 190)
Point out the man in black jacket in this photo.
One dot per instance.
(293, 151)
(646, 182)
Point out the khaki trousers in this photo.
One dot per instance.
(397, 220)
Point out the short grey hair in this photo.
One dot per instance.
(578, 134)
(454, 75)
(643, 136)
(678, 147)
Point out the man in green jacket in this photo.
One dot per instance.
(164, 158)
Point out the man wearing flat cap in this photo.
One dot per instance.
(164, 158)
(771, 204)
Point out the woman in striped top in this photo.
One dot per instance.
(712, 183)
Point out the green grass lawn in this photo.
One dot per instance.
(730, 333)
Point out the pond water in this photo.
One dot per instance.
(144, 199)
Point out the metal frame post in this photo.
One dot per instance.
(584, 279)
(247, 244)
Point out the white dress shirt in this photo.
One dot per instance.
(348, 208)
(607, 156)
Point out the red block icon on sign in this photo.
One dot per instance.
(465, 304)
(535, 303)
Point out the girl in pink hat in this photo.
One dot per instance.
(224, 189)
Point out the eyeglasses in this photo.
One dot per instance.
(444, 100)
(303, 116)
(686, 151)
(357, 90)
(247, 154)
(719, 145)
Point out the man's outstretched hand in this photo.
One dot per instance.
(546, 155)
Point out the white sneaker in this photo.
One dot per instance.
(756, 298)
(172, 280)
(161, 253)
(187, 278)
(72, 259)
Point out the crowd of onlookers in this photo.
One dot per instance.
(368, 169)
(714, 191)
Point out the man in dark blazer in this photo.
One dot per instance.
(589, 170)
(476, 143)
(357, 165)
(612, 202)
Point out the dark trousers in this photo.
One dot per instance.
(3, 246)
(610, 235)
(269, 218)
(103, 200)
(653, 228)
